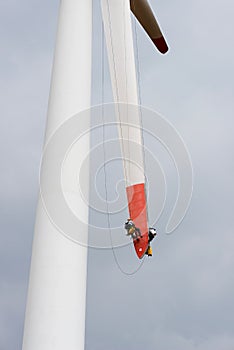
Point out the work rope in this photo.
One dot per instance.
(140, 105)
(104, 137)
(115, 78)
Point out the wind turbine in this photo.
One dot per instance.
(55, 313)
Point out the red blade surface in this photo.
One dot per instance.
(143, 12)
(138, 213)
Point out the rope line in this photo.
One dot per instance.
(126, 82)
(140, 104)
(115, 77)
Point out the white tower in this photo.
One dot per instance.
(55, 314)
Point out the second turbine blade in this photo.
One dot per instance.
(143, 12)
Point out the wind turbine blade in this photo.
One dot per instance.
(143, 12)
(116, 16)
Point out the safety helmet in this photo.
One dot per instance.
(152, 231)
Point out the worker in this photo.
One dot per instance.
(132, 230)
(151, 234)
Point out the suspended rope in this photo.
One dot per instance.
(116, 85)
(126, 82)
(140, 103)
(105, 157)
(137, 58)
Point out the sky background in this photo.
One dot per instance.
(182, 298)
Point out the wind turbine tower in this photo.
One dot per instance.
(55, 312)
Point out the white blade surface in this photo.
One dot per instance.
(118, 32)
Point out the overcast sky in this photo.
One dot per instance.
(184, 294)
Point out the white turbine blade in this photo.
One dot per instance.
(118, 33)
(143, 12)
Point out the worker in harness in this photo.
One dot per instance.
(132, 230)
(135, 233)
(152, 233)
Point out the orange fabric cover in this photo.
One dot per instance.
(138, 213)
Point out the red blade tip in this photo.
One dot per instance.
(161, 44)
